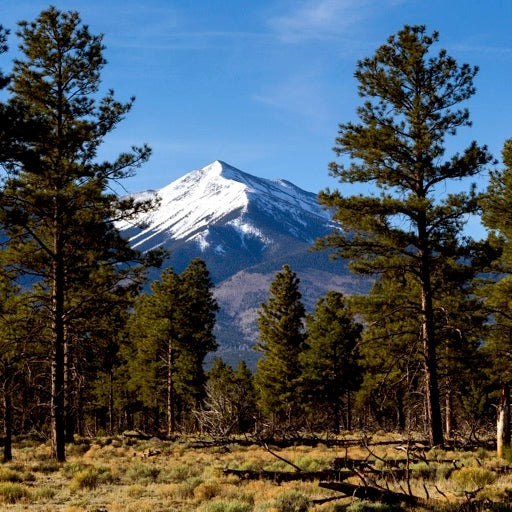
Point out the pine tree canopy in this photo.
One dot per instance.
(411, 105)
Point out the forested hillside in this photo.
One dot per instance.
(85, 349)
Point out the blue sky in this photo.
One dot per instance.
(262, 85)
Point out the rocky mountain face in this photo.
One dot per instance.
(245, 228)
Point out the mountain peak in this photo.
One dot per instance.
(225, 170)
(216, 166)
(219, 205)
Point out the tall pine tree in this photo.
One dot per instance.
(56, 205)
(497, 205)
(411, 105)
(281, 333)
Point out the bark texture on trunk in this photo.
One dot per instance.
(7, 423)
(434, 421)
(503, 421)
(170, 391)
(58, 427)
(111, 401)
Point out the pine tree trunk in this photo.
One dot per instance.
(170, 391)
(503, 421)
(111, 401)
(400, 411)
(349, 410)
(7, 422)
(69, 417)
(79, 410)
(57, 375)
(432, 398)
(337, 414)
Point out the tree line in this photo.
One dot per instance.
(84, 350)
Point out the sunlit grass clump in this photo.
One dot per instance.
(11, 492)
(90, 478)
(472, 478)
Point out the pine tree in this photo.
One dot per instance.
(172, 331)
(497, 204)
(198, 336)
(56, 206)
(411, 106)
(281, 333)
(156, 332)
(330, 371)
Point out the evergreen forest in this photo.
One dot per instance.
(88, 347)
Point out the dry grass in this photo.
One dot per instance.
(115, 476)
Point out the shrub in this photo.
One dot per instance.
(292, 501)
(45, 492)
(180, 473)
(9, 475)
(423, 470)
(71, 468)
(226, 506)
(143, 472)
(46, 466)
(207, 490)
(308, 463)
(185, 490)
(12, 492)
(470, 479)
(87, 478)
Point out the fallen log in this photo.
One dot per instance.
(330, 475)
(342, 462)
(366, 492)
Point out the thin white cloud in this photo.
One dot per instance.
(318, 19)
(324, 19)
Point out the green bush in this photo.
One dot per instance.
(226, 506)
(423, 470)
(13, 492)
(87, 478)
(308, 463)
(72, 468)
(9, 475)
(292, 501)
(179, 473)
(470, 479)
(143, 472)
(45, 492)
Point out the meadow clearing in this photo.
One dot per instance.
(122, 475)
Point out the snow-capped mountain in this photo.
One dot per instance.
(245, 228)
(219, 209)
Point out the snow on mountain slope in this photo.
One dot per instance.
(221, 195)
